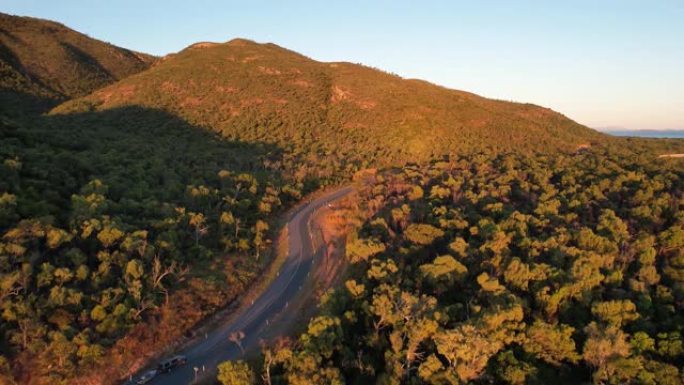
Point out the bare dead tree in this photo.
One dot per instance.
(144, 305)
(159, 272)
(269, 360)
(237, 227)
(236, 338)
(10, 286)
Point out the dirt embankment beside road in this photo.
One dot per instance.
(328, 227)
(331, 226)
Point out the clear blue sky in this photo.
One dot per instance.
(601, 62)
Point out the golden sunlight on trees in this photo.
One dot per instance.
(514, 269)
(235, 373)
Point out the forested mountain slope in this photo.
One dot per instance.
(336, 112)
(42, 60)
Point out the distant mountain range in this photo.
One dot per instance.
(669, 133)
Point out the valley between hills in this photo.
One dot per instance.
(485, 241)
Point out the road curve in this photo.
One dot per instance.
(204, 354)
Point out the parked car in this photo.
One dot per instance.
(147, 377)
(172, 363)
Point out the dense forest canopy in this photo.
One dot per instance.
(507, 268)
(100, 219)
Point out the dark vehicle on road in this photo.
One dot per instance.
(172, 363)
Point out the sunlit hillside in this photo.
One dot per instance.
(250, 91)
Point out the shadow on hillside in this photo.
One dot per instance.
(18, 105)
(15, 103)
(140, 154)
(82, 57)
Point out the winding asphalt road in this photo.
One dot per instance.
(255, 320)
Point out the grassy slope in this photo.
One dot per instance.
(46, 61)
(251, 91)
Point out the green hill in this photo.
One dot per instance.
(341, 112)
(44, 61)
